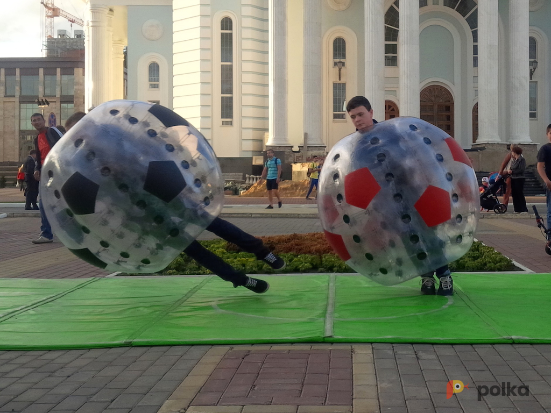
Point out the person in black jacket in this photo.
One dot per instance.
(31, 193)
(516, 170)
(44, 142)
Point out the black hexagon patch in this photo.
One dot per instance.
(167, 116)
(80, 194)
(164, 180)
(88, 256)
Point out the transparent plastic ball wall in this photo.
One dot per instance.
(398, 201)
(130, 186)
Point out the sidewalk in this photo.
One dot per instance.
(299, 378)
(12, 204)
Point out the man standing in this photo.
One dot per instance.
(544, 170)
(272, 174)
(44, 142)
(314, 170)
(31, 194)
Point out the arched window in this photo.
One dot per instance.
(339, 87)
(467, 8)
(153, 75)
(339, 48)
(392, 25)
(226, 70)
(391, 110)
(533, 90)
(533, 48)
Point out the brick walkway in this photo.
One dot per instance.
(299, 378)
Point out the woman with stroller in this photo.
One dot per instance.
(516, 171)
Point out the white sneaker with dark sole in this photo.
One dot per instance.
(42, 240)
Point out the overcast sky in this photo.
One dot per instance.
(22, 25)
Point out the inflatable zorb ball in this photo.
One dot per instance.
(398, 201)
(130, 186)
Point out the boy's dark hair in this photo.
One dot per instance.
(61, 129)
(32, 152)
(358, 101)
(517, 149)
(37, 114)
(548, 128)
(73, 119)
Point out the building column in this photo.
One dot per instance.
(488, 63)
(374, 18)
(408, 59)
(97, 56)
(278, 74)
(118, 70)
(110, 55)
(519, 74)
(312, 100)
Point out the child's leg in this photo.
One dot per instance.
(446, 282)
(237, 236)
(215, 264)
(224, 270)
(427, 284)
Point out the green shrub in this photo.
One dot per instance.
(479, 258)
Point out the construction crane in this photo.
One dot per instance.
(53, 11)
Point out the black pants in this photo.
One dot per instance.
(517, 192)
(217, 265)
(31, 194)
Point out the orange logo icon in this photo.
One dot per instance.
(454, 386)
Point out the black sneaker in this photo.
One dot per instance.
(446, 285)
(427, 286)
(274, 261)
(269, 207)
(256, 285)
(280, 203)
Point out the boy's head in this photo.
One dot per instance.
(357, 101)
(360, 112)
(270, 153)
(73, 119)
(516, 150)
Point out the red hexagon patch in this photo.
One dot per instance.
(360, 187)
(434, 206)
(458, 153)
(337, 243)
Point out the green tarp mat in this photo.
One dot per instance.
(133, 311)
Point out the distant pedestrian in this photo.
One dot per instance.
(44, 142)
(507, 186)
(21, 178)
(31, 194)
(314, 169)
(272, 174)
(516, 171)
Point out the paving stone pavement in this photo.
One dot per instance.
(327, 378)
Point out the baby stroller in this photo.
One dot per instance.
(488, 198)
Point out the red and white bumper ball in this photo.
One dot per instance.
(398, 201)
(130, 186)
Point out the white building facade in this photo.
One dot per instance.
(251, 73)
